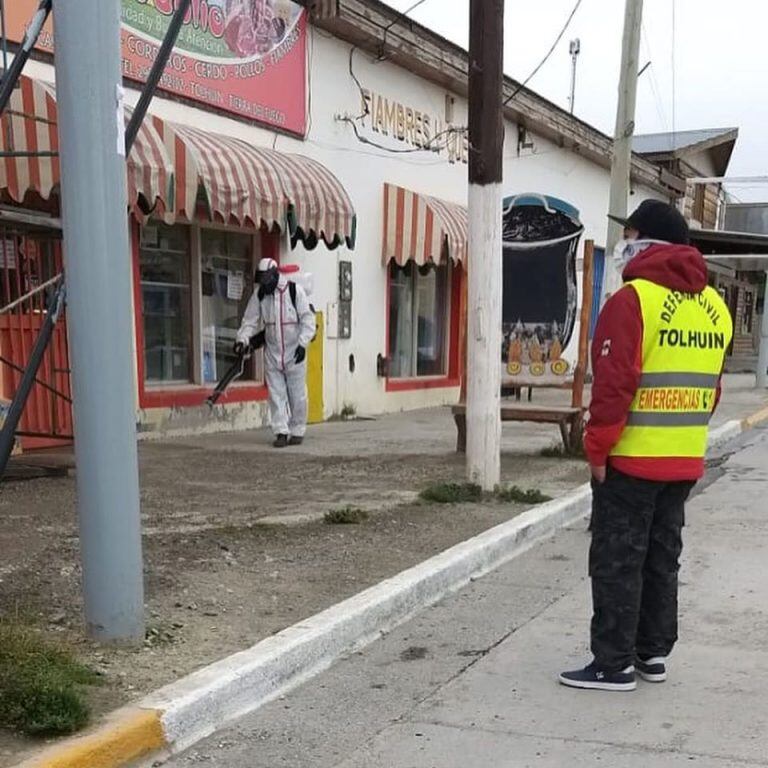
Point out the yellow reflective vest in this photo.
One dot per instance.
(685, 338)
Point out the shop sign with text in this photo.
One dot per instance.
(246, 57)
(414, 127)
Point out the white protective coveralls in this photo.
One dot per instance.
(286, 329)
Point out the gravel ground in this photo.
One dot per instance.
(217, 580)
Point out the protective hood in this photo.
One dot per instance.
(679, 267)
(267, 276)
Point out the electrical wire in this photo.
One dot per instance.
(394, 21)
(414, 161)
(430, 146)
(674, 69)
(655, 90)
(400, 16)
(366, 111)
(549, 54)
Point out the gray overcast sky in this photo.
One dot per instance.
(721, 64)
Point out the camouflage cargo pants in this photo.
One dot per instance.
(633, 563)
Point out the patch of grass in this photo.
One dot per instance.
(519, 496)
(41, 686)
(559, 451)
(452, 493)
(346, 516)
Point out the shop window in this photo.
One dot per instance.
(227, 267)
(419, 311)
(164, 261)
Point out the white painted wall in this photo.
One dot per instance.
(546, 168)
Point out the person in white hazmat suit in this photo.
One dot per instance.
(281, 308)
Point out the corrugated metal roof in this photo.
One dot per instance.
(659, 143)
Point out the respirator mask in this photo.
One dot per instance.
(626, 250)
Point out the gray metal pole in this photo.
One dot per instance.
(4, 36)
(99, 313)
(622, 143)
(762, 357)
(575, 49)
(572, 100)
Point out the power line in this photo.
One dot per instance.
(549, 54)
(430, 146)
(653, 82)
(418, 162)
(674, 67)
(401, 15)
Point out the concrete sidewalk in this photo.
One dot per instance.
(470, 683)
(432, 432)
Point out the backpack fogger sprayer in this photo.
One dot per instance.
(237, 369)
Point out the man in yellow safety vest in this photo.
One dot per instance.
(657, 357)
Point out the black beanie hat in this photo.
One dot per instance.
(656, 220)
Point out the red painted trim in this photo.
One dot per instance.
(193, 396)
(270, 244)
(186, 396)
(408, 385)
(453, 379)
(457, 275)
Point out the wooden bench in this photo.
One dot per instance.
(570, 419)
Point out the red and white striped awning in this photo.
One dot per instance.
(170, 164)
(253, 186)
(28, 133)
(422, 228)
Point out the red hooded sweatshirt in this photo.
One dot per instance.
(617, 362)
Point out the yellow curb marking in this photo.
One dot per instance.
(133, 735)
(755, 419)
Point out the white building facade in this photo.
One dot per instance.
(390, 339)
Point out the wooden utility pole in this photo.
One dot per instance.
(486, 140)
(622, 143)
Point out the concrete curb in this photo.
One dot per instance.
(725, 433)
(201, 703)
(175, 717)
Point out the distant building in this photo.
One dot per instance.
(747, 217)
(719, 228)
(689, 155)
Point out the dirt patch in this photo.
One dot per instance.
(216, 582)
